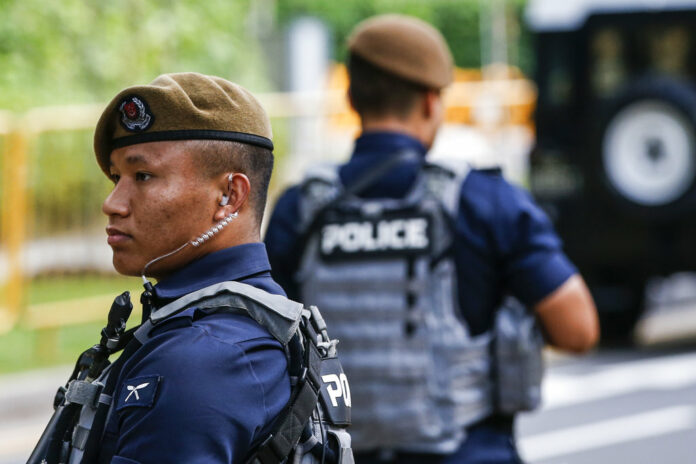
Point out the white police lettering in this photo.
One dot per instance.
(387, 234)
(134, 390)
(337, 386)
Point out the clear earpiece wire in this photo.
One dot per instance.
(214, 230)
(196, 243)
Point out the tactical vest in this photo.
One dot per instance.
(317, 413)
(382, 271)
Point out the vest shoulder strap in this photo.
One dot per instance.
(444, 179)
(278, 314)
(320, 186)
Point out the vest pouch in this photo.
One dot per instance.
(517, 354)
(338, 449)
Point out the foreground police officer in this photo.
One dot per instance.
(411, 261)
(190, 157)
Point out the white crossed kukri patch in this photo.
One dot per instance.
(134, 390)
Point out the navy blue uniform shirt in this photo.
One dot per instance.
(504, 243)
(207, 385)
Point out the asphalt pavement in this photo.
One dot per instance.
(633, 406)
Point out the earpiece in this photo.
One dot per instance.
(214, 230)
(226, 198)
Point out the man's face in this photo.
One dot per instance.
(159, 202)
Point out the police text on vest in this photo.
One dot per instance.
(401, 234)
(337, 386)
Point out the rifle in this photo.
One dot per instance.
(54, 444)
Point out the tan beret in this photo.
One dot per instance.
(405, 46)
(182, 106)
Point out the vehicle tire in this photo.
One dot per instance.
(648, 147)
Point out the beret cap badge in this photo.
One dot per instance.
(135, 114)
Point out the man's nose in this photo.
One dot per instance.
(117, 202)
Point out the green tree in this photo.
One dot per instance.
(458, 20)
(76, 51)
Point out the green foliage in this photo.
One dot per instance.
(75, 51)
(23, 348)
(458, 20)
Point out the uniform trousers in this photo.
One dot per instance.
(490, 442)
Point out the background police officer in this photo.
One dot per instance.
(191, 154)
(502, 244)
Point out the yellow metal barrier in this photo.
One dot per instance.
(13, 223)
(16, 206)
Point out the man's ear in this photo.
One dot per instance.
(235, 189)
(430, 100)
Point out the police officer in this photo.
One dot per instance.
(190, 158)
(410, 262)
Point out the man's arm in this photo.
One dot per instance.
(569, 317)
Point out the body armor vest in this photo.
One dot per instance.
(383, 272)
(318, 412)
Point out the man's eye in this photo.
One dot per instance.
(142, 176)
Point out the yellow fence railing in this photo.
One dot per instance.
(19, 132)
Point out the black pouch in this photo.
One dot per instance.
(517, 358)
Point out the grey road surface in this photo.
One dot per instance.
(616, 406)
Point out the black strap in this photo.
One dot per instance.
(277, 447)
(291, 422)
(369, 178)
(65, 418)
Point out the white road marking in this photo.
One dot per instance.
(663, 373)
(609, 432)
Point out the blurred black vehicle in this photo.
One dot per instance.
(615, 159)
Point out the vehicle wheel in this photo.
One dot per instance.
(648, 145)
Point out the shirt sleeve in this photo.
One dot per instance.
(530, 252)
(282, 239)
(205, 400)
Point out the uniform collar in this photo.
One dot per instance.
(234, 263)
(386, 142)
(370, 149)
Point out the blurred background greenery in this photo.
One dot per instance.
(458, 20)
(67, 52)
(55, 53)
